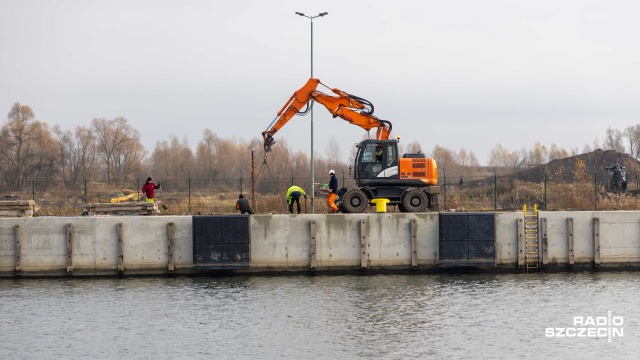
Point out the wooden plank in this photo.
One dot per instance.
(25, 203)
(596, 242)
(17, 208)
(18, 232)
(140, 208)
(414, 244)
(69, 249)
(521, 247)
(120, 250)
(312, 248)
(171, 232)
(15, 213)
(364, 245)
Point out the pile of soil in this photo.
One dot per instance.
(565, 169)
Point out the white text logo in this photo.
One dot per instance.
(590, 327)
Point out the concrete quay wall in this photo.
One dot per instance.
(164, 244)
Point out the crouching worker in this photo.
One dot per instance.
(149, 189)
(243, 205)
(293, 195)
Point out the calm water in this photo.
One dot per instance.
(321, 317)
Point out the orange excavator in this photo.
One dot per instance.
(409, 181)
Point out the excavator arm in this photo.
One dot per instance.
(348, 107)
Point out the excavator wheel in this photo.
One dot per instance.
(415, 200)
(354, 201)
(401, 208)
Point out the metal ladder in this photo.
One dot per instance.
(531, 239)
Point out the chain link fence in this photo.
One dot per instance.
(459, 192)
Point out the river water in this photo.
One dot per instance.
(323, 317)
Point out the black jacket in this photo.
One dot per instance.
(243, 205)
(333, 184)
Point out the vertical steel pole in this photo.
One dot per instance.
(545, 189)
(495, 190)
(595, 189)
(313, 208)
(84, 175)
(253, 184)
(444, 175)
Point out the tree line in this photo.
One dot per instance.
(622, 141)
(109, 151)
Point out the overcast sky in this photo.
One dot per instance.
(461, 74)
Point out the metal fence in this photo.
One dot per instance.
(549, 191)
(459, 192)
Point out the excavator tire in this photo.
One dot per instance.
(415, 200)
(354, 201)
(401, 208)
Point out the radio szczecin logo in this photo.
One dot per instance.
(590, 327)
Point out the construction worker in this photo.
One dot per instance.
(149, 189)
(379, 153)
(243, 205)
(293, 195)
(333, 188)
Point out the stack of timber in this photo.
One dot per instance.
(17, 208)
(129, 208)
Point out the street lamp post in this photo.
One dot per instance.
(313, 193)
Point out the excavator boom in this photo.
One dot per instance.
(353, 109)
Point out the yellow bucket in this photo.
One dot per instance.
(381, 204)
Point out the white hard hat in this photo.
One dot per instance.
(331, 172)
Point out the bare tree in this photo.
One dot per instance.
(499, 156)
(119, 148)
(556, 152)
(83, 156)
(614, 140)
(27, 149)
(64, 139)
(632, 133)
(473, 160)
(538, 154)
(334, 154)
(173, 159)
(45, 164)
(207, 155)
(467, 158)
(446, 159)
(414, 147)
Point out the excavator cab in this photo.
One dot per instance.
(376, 160)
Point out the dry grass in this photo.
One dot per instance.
(559, 196)
(510, 196)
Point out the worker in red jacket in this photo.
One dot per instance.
(149, 189)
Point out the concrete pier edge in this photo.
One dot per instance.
(403, 243)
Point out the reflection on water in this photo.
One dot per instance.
(315, 317)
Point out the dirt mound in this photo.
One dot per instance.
(570, 169)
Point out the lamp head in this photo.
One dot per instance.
(323, 14)
(299, 13)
